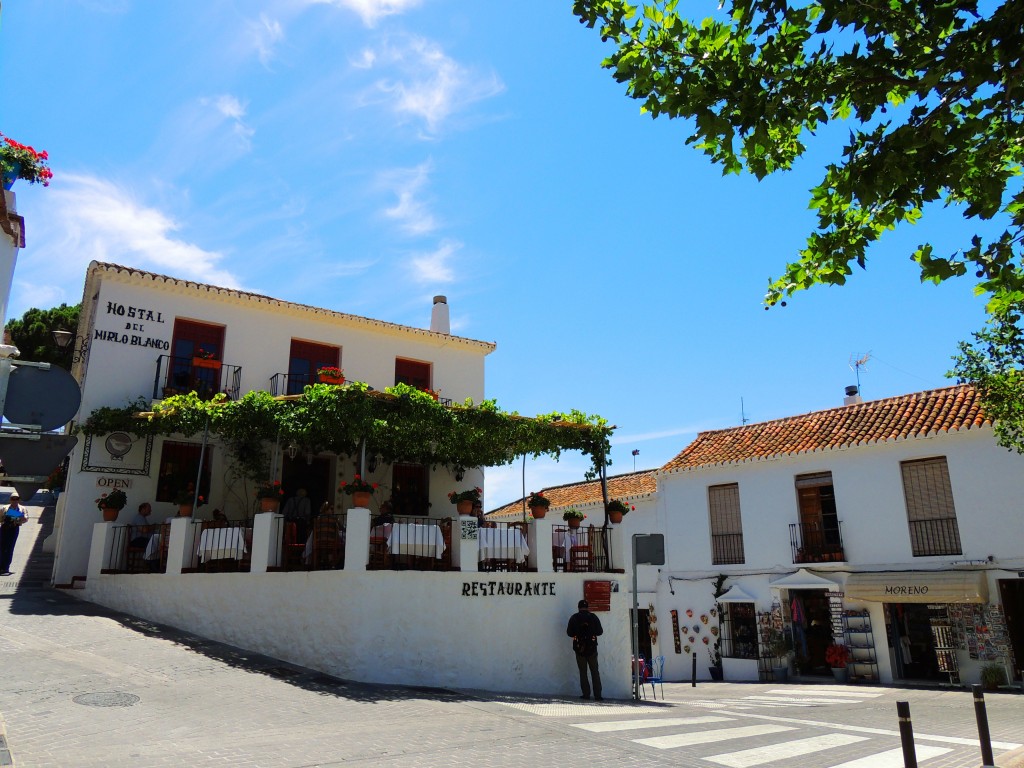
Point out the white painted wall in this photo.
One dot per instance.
(257, 337)
(389, 627)
(988, 490)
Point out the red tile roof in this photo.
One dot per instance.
(623, 487)
(914, 415)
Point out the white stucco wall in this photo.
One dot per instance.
(988, 490)
(391, 627)
(129, 320)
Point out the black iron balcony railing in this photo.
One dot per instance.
(289, 383)
(219, 545)
(940, 536)
(727, 549)
(585, 549)
(181, 375)
(817, 543)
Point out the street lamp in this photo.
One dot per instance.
(63, 339)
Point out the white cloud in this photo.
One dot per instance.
(411, 213)
(641, 437)
(229, 107)
(90, 218)
(434, 267)
(262, 36)
(504, 484)
(429, 84)
(371, 11)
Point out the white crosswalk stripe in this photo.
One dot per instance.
(747, 758)
(795, 696)
(635, 725)
(708, 737)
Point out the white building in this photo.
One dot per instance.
(892, 527)
(143, 337)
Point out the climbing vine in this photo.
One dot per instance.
(401, 423)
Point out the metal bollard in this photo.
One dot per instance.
(983, 734)
(693, 672)
(906, 734)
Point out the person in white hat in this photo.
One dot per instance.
(10, 523)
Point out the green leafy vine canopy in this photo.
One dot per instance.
(399, 424)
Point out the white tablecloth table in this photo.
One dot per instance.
(152, 547)
(218, 543)
(502, 544)
(416, 539)
(566, 541)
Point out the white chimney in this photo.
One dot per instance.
(852, 396)
(439, 320)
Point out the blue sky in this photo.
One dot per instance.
(364, 155)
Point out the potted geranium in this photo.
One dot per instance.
(269, 493)
(463, 500)
(616, 509)
(110, 504)
(330, 374)
(204, 358)
(20, 161)
(573, 517)
(538, 504)
(187, 500)
(360, 490)
(837, 656)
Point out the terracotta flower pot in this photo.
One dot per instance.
(573, 522)
(269, 504)
(615, 517)
(110, 514)
(464, 507)
(184, 510)
(361, 499)
(538, 512)
(328, 379)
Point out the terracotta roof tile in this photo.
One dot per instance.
(894, 418)
(623, 487)
(99, 266)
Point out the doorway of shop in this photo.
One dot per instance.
(644, 633)
(909, 627)
(812, 630)
(314, 476)
(1011, 592)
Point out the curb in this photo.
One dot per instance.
(1014, 759)
(5, 754)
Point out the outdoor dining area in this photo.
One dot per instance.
(396, 543)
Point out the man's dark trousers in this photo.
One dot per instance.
(589, 661)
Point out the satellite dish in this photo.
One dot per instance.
(47, 397)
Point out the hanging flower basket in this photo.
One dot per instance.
(330, 375)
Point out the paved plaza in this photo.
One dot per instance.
(84, 686)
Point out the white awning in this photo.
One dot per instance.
(804, 579)
(735, 595)
(918, 587)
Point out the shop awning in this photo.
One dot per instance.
(918, 587)
(735, 595)
(804, 579)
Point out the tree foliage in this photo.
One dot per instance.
(932, 91)
(400, 424)
(993, 364)
(33, 334)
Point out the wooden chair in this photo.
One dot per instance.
(558, 558)
(291, 548)
(135, 559)
(380, 558)
(579, 559)
(327, 552)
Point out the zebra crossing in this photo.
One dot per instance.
(748, 731)
(791, 696)
(733, 731)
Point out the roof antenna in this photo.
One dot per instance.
(743, 414)
(856, 365)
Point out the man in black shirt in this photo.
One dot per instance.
(584, 627)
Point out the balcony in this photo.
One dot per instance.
(817, 543)
(939, 536)
(181, 375)
(289, 383)
(727, 549)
